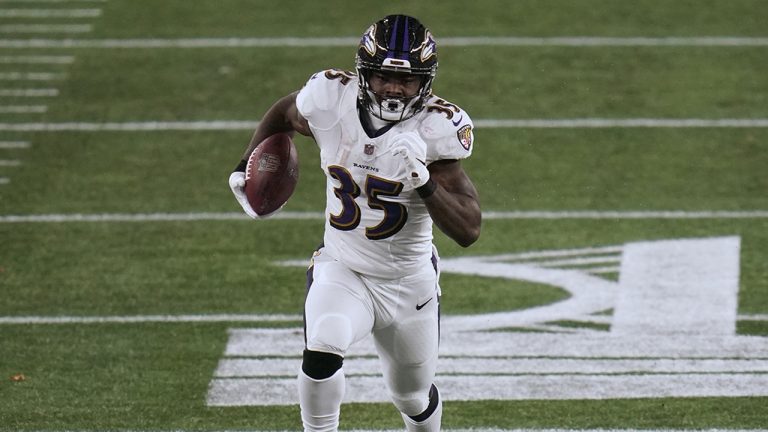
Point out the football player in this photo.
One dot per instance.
(391, 151)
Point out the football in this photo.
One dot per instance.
(271, 174)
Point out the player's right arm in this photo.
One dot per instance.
(283, 116)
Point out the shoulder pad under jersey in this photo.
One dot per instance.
(319, 101)
(448, 129)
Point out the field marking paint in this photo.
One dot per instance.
(224, 318)
(288, 215)
(53, 1)
(139, 319)
(214, 125)
(400, 430)
(580, 123)
(41, 92)
(46, 28)
(700, 298)
(15, 145)
(31, 76)
(23, 109)
(304, 42)
(50, 13)
(675, 359)
(4, 180)
(130, 126)
(10, 163)
(587, 214)
(36, 59)
(287, 367)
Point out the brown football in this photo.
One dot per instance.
(271, 174)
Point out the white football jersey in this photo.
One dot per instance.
(376, 223)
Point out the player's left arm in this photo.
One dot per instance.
(453, 202)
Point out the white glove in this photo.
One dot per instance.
(413, 150)
(237, 184)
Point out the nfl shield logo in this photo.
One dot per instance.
(368, 149)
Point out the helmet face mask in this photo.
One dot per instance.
(396, 46)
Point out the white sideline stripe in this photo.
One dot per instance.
(49, 13)
(302, 42)
(42, 92)
(188, 318)
(32, 59)
(43, 28)
(22, 109)
(10, 162)
(482, 123)
(175, 217)
(14, 145)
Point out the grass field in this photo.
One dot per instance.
(621, 150)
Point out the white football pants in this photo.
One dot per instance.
(343, 307)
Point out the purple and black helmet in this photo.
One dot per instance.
(399, 44)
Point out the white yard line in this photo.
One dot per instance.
(31, 76)
(151, 217)
(53, 1)
(302, 42)
(36, 59)
(148, 319)
(199, 318)
(46, 28)
(23, 109)
(41, 92)
(588, 41)
(129, 126)
(622, 123)
(481, 123)
(607, 214)
(50, 13)
(10, 163)
(15, 145)
(445, 430)
(287, 215)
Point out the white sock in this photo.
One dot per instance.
(320, 401)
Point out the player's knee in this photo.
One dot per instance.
(418, 406)
(320, 365)
(408, 404)
(330, 333)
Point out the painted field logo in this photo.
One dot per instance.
(671, 318)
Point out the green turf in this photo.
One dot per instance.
(155, 376)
